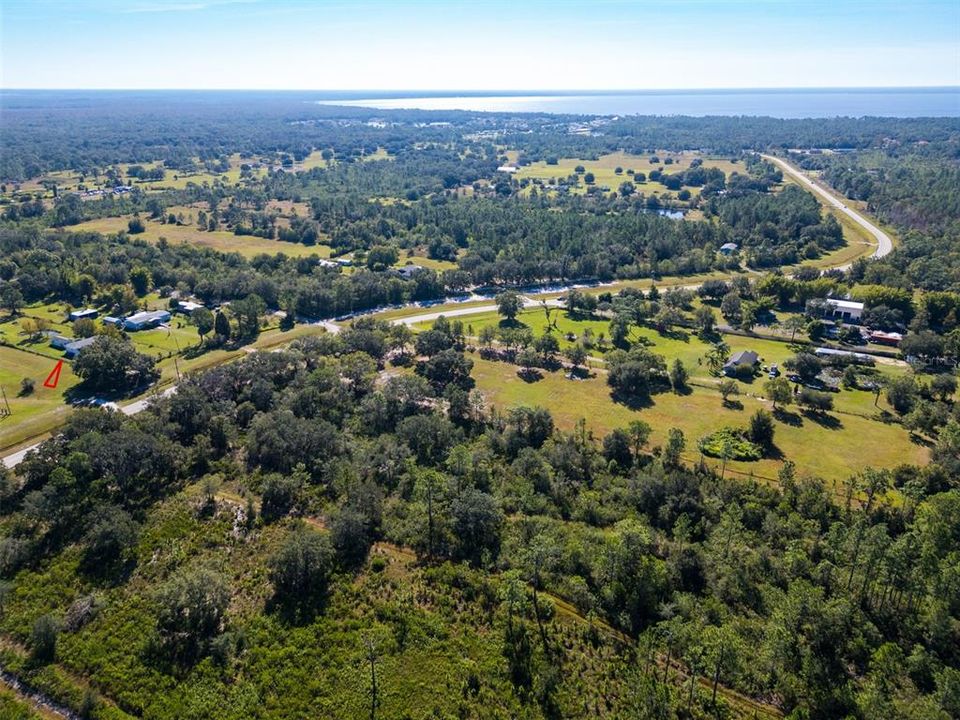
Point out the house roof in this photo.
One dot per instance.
(78, 345)
(410, 270)
(744, 357)
(148, 316)
(845, 304)
(841, 353)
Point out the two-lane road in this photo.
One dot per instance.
(884, 243)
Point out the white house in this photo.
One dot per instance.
(846, 310)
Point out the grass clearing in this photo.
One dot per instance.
(831, 449)
(604, 170)
(221, 240)
(44, 408)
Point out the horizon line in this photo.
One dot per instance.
(490, 91)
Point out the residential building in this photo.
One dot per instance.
(74, 348)
(744, 357)
(845, 310)
(146, 319)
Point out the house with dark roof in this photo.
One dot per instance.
(408, 271)
(744, 357)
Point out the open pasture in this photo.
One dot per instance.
(833, 448)
(221, 240)
(604, 170)
(36, 412)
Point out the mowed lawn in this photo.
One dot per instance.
(832, 450)
(40, 411)
(246, 245)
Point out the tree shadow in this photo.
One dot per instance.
(788, 418)
(683, 390)
(920, 440)
(773, 453)
(530, 375)
(511, 323)
(633, 402)
(732, 405)
(298, 611)
(675, 334)
(831, 422)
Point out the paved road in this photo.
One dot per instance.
(884, 243)
(133, 408)
(528, 302)
(884, 247)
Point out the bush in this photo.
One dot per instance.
(43, 639)
(815, 400)
(27, 386)
(191, 610)
(731, 442)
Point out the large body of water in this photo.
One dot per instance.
(800, 103)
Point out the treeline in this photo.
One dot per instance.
(54, 130)
(828, 606)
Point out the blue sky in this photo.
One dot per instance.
(483, 44)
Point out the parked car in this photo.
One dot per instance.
(774, 371)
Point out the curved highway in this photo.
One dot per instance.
(884, 243)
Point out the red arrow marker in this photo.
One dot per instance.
(54, 377)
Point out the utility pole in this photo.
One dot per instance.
(5, 411)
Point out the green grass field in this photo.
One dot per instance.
(832, 451)
(855, 435)
(604, 170)
(40, 411)
(221, 240)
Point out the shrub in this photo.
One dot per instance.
(191, 611)
(43, 639)
(732, 443)
(27, 386)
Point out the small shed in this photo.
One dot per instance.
(728, 248)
